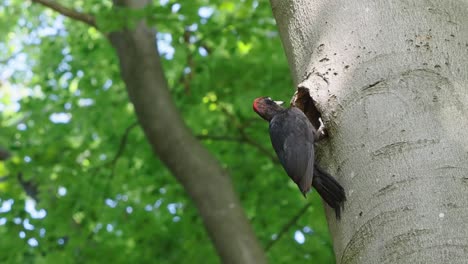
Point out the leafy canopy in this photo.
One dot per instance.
(82, 184)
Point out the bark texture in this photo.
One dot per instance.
(391, 82)
(198, 171)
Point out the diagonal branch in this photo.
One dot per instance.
(242, 139)
(241, 129)
(68, 12)
(248, 140)
(30, 187)
(112, 163)
(218, 138)
(288, 226)
(123, 143)
(4, 154)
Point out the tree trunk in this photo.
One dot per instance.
(198, 171)
(391, 82)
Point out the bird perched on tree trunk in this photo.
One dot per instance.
(293, 136)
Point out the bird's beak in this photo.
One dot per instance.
(279, 102)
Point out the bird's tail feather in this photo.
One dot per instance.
(329, 189)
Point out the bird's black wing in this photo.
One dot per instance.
(292, 138)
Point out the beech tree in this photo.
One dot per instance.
(390, 80)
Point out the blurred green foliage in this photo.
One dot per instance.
(82, 185)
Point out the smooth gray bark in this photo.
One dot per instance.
(197, 170)
(391, 81)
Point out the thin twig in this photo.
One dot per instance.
(243, 139)
(118, 154)
(241, 128)
(4, 154)
(258, 146)
(120, 150)
(123, 143)
(30, 187)
(288, 226)
(68, 12)
(186, 78)
(218, 138)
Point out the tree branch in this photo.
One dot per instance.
(218, 138)
(118, 154)
(123, 143)
(202, 176)
(68, 12)
(242, 139)
(288, 226)
(259, 147)
(30, 187)
(4, 154)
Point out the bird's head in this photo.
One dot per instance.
(266, 107)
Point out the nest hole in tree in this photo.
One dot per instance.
(302, 100)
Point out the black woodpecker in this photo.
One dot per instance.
(293, 137)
